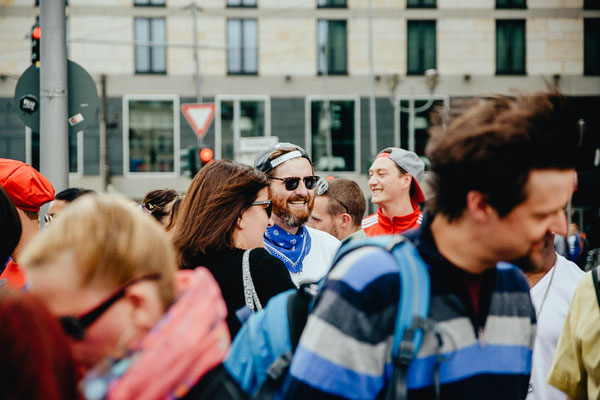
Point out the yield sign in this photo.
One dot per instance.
(199, 116)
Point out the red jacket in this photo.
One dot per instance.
(15, 277)
(379, 224)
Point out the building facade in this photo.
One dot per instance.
(303, 71)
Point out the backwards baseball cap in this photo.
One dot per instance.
(265, 164)
(411, 163)
(27, 188)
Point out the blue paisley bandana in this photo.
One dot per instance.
(291, 249)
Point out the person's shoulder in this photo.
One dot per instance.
(261, 256)
(370, 220)
(363, 266)
(317, 235)
(510, 278)
(570, 268)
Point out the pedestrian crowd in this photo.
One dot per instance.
(118, 300)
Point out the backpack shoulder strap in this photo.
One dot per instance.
(596, 283)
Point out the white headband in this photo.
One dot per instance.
(283, 158)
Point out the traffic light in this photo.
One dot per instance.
(206, 156)
(36, 35)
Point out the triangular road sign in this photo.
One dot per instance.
(199, 116)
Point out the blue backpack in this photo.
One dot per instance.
(262, 351)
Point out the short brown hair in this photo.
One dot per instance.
(493, 144)
(216, 198)
(111, 242)
(346, 194)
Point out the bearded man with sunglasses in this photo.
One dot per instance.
(306, 252)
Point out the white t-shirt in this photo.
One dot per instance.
(550, 323)
(316, 264)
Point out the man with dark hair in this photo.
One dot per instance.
(306, 252)
(394, 180)
(29, 190)
(503, 172)
(62, 199)
(339, 210)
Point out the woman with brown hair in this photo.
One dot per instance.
(226, 212)
(163, 205)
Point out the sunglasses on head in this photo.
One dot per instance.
(291, 183)
(75, 326)
(268, 206)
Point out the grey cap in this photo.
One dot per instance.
(411, 163)
(263, 163)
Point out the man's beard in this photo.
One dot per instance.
(293, 218)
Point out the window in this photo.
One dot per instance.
(331, 3)
(591, 44)
(331, 48)
(591, 5)
(510, 47)
(413, 134)
(155, 3)
(242, 46)
(420, 47)
(241, 119)
(150, 134)
(241, 3)
(333, 132)
(511, 4)
(420, 4)
(150, 59)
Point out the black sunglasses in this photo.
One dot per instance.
(292, 182)
(268, 208)
(75, 326)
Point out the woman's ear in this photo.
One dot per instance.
(240, 222)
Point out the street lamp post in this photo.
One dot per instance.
(431, 77)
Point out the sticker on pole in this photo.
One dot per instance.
(199, 116)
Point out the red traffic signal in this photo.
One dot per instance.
(36, 33)
(206, 155)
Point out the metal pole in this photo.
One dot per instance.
(196, 56)
(102, 120)
(197, 65)
(54, 105)
(372, 112)
(411, 123)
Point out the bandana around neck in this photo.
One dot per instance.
(291, 249)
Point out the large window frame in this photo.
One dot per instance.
(237, 99)
(421, 4)
(510, 26)
(511, 4)
(176, 135)
(240, 49)
(77, 172)
(149, 3)
(154, 52)
(332, 4)
(399, 111)
(422, 52)
(308, 127)
(242, 3)
(591, 43)
(325, 57)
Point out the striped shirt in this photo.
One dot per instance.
(344, 351)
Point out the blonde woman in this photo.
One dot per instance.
(140, 330)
